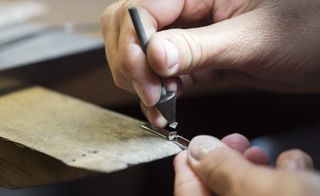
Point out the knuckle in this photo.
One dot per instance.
(127, 66)
(106, 17)
(191, 45)
(128, 61)
(118, 78)
(119, 82)
(106, 14)
(113, 61)
(109, 15)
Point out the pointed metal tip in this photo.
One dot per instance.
(173, 125)
(167, 106)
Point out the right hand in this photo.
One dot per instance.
(269, 44)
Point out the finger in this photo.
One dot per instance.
(110, 25)
(257, 155)
(241, 144)
(133, 64)
(110, 32)
(191, 11)
(166, 12)
(121, 82)
(122, 50)
(237, 142)
(226, 171)
(235, 78)
(118, 33)
(136, 70)
(172, 84)
(294, 160)
(153, 116)
(224, 45)
(186, 182)
(207, 77)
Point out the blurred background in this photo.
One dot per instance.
(58, 44)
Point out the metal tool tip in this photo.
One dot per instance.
(167, 106)
(173, 125)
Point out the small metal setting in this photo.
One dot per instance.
(173, 125)
(169, 135)
(182, 142)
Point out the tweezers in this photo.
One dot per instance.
(169, 135)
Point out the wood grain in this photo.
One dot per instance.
(74, 133)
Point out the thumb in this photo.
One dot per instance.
(230, 44)
(227, 172)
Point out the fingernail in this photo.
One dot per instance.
(298, 163)
(139, 91)
(172, 54)
(292, 165)
(200, 146)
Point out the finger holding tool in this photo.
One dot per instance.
(167, 103)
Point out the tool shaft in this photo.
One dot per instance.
(137, 23)
(138, 26)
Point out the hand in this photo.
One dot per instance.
(267, 44)
(212, 168)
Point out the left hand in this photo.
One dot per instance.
(238, 170)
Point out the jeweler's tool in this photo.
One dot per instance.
(167, 102)
(169, 135)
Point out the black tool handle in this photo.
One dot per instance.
(137, 23)
(136, 20)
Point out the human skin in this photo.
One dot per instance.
(211, 168)
(267, 44)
